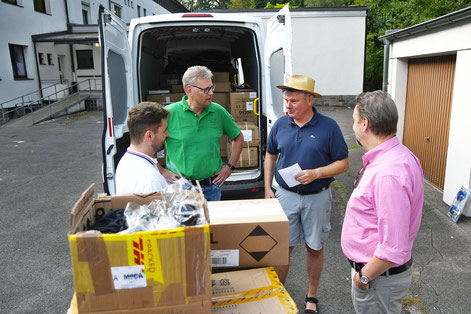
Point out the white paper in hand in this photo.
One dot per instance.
(288, 174)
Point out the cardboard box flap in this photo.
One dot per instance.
(246, 211)
(81, 209)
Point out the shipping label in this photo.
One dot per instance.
(225, 258)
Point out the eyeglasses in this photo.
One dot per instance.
(358, 177)
(205, 90)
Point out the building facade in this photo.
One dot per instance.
(55, 43)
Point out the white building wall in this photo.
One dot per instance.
(17, 24)
(328, 46)
(443, 41)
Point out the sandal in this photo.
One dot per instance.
(311, 300)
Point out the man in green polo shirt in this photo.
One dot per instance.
(195, 127)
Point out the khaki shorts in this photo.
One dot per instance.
(311, 213)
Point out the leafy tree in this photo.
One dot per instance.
(396, 14)
(240, 4)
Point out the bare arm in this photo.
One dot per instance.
(372, 270)
(269, 171)
(331, 170)
(167, 174)
(226, 171)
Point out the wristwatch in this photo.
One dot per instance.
(231, 166)
(363, 279)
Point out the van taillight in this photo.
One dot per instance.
(197, 15)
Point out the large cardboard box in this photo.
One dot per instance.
(151, 271)
(221, 98)
(248, 158)
(165, 99)
(242, 103)
(251, 134)
(222, 86)
(250, 291)
(220, 76)
(248, 233)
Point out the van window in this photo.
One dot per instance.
(277, 66)
(117, 75)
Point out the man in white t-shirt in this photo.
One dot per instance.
(138, 170)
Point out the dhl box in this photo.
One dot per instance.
(165, 99)
(164, 271)
(220, 76)
(250, 132)
(248, 233)
(250, 291)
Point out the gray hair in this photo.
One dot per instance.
(192, 74)
(288, 91)
(380, 110)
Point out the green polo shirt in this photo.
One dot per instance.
(193, 144)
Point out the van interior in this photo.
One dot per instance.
(166, 52)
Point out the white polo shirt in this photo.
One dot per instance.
(138, 173)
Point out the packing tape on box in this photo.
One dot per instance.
(275, 289)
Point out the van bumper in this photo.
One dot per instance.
(242, 187)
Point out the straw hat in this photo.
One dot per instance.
(301, 83)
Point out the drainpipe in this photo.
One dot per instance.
(71, 50)
(386, 64)
(37, 67)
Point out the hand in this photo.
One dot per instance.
(307, 176)
(221, 176)
(357, 282)
(169, 176)
(269, 193)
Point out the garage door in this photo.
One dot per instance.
(427, 116)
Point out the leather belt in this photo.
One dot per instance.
(309, 192)
(207, 181)
(391, 271)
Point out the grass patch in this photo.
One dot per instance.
(413, 302)
(354, 146)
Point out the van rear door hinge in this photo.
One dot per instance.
(107, 18)
(281, 18)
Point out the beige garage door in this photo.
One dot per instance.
(427, 116)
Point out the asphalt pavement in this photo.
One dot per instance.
(45, 168)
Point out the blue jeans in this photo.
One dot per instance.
(212, 192)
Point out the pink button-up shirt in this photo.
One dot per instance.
(384, 211)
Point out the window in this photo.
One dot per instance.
(49, 59)
(84, 59)
(18, 64)
(42, 61)
(138, 10)
(85, 16)
(117, 10)
(145, 11)
(15, 2)
(42, 6)
(132, 4)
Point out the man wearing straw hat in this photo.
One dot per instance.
(313, 144)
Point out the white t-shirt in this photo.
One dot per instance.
(138, 173)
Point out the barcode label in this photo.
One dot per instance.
(225, 258)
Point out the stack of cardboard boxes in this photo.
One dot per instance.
(181, 270)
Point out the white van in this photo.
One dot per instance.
(164, 45)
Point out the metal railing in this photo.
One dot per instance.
(33, 101)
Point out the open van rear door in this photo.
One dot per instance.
(277, 63)
(118, 94)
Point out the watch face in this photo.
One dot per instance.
(364, 280)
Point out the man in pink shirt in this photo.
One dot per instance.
(384, 211)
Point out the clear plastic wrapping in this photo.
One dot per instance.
(180, 206)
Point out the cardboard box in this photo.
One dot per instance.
(251, 133)
(248, 157)
(177, 89)
(223, 145)
(250, 291)
(248, 233)
(250, 119)
(165, 99)
(221, 98)
(242, 103)
(220, 76)
(222, 87)
(143, 272)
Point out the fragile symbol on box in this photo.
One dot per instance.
(258, 243)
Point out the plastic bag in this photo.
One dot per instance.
(180, 206)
